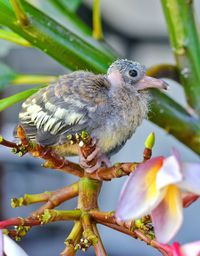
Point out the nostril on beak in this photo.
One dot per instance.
(165, 85)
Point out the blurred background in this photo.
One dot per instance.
(136, 29)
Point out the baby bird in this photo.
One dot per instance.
(109, 107)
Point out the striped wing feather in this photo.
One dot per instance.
(63, 107)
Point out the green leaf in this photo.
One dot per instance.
(11, 100)
(6, 76)
(71, 5)
(56, 40)
(13, 37)
(174, 119)
(185, 42)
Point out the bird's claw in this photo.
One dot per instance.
(93, 161)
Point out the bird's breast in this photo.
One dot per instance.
(119, 126)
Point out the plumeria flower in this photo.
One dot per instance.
(156, 188)
(190, 249)
(9, 247)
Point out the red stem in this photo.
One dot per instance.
(19, 221)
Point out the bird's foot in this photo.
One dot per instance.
(94, 160)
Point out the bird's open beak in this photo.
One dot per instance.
(150, 82)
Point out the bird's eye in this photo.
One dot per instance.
(133, 73)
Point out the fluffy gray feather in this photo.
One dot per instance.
(109, 107)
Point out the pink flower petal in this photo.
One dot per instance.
(191, 180)
(167, 216)
(169, 173)
(139, 196)
(189, 198)
(191, 249)
(177, 155)
(176, 249)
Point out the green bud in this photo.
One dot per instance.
(17, 238)
(69, 136)
(5, 231)
(1, 139)
(150, 141)
(84, 134)
(17, 202)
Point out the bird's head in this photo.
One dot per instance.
(132, 74)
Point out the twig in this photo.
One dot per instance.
(72, 240)
(16, 147)
(130, 228)
(59, 197)
(116, 171)
(52, 160)
(53, 198)
(164, 249)
(18, 221)
(99, 247)
(87, 229)
(59, 215)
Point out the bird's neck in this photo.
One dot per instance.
(131, 106)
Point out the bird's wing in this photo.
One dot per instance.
(63, 107)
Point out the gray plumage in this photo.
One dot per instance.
(109, 107)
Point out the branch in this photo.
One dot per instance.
(52, 160)
(58, 197)
(116, 171)
(108, 219)
(53, 199)
(88, 232)
(59, 215)
(30, 221)
(15, 147)
(99, 247)
(72, 240)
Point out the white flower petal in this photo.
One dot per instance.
(11, 248)
(139, 195)
(191, 249)
(167, 216)
(169, 173)
(191, 177)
